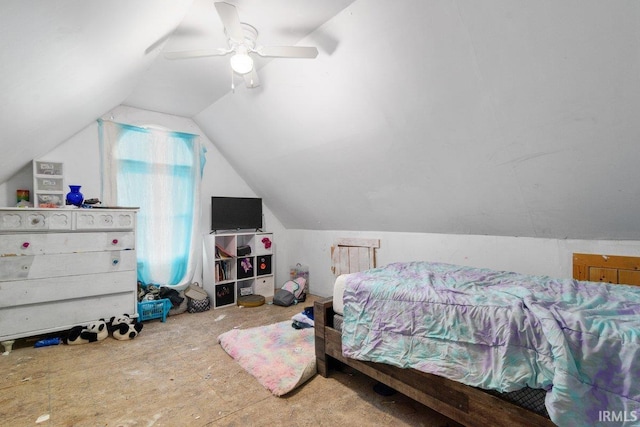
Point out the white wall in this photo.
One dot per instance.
(313, 248)
(551, 257)
(23, 180)
(80, 155)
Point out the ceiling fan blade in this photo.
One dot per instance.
(196, 53)
(288, 51)
(231, 21)
(251, 79)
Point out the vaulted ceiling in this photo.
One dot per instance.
(478, 117)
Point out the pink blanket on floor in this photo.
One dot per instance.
(280, 357)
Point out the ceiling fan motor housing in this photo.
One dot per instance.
(250, 37)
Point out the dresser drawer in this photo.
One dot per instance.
(57, 304)
(40, 291)
(36, 220)
(60, 243)
(104, 220)
(24, 321)
(60, 265)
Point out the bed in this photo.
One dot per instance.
(464, 379)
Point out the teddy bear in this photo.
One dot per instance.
(124, 327)
(94, 331)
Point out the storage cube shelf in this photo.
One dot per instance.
(238, 264)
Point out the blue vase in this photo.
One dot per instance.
(75, 197)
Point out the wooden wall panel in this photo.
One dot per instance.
(352, 255)
(629, 277)
(598, 274)
(607, 268)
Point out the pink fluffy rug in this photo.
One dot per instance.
(280, 357)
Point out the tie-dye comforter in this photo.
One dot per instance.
(504, 331)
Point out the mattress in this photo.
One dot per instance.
(338, 291)
(577, 340)
(529, 398)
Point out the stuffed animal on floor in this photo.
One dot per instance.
(94, 331)
(124, 327)
(116, 320)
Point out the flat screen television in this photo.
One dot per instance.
(236, 213)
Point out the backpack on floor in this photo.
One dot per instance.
(292, 292)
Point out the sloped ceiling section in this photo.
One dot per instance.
(459, 116)
(493, 117)
(64, 63)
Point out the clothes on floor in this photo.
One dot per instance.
(304, 319)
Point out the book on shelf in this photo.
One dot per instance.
(224, 270)
(220, 274)
(221, 253)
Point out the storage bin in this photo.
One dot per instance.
(299, 270)
(245, 287)
(194, 291)
(48, 168)
(263, 265)
(49, 184)
(155, 309)
(50, 200)
(244, 268)
(225, 295)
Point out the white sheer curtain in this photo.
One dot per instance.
(160, 172)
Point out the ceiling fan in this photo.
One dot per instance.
(241, 38)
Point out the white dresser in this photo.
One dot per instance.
(64, 267)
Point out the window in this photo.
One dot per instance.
(158, 171)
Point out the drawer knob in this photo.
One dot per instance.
(115, 262)
(25, 245)
(114, 241)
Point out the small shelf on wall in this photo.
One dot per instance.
(238, 264)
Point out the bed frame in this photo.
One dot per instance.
(464, 404)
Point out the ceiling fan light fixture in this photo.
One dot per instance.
(241, 63)
(241, 41)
